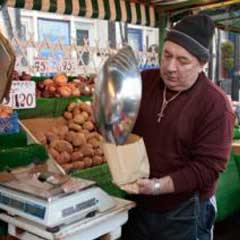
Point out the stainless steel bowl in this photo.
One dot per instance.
(117, 96)
(7, 63)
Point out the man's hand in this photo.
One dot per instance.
(154, 186)
(149, 186)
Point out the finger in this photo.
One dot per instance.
(142, 182)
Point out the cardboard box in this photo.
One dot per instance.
(127, 162)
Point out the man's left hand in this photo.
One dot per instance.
(149, 186)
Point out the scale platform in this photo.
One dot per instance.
(51, 199)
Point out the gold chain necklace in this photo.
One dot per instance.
(160, 115)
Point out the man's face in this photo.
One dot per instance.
(179, 68)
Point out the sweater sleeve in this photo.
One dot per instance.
(210, 153)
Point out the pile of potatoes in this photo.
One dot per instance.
(77, 144)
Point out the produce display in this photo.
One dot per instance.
(59, 86)
(76, 144)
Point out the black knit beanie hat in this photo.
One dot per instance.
(194, 33)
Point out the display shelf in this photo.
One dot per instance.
(236, 132)
(101, 175)
(13, 140)
(38, 79)
(228, 191)
(22, 156)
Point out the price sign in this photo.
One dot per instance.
(67, 65)
(22, 95)
(40, 65)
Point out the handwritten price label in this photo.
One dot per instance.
(40, 65)
(67, 65)
(22, 95)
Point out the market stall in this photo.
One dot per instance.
(60, 107)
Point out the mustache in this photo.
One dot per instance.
(170, 74)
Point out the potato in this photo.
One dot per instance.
(97, 160)
(88, 162)
(51, 136)
(91, 135)
(94, 142)
(76, 156)
(69, 136)
(85, 132)
(62, 132)
(54, 153)
(87, 150)
(98, 152)
(79, 119)
(92, 119)
(41, 137)
(66, 157)
(89, 126)
(76, 111)
(78, 165)
(60, 159)
(68, 115)
(78, 140)
(62, 146)
(55, 130)
(75, 127)
(71, 106)
(85, 107)
(85, 115)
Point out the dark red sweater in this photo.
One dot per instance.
(191, 143)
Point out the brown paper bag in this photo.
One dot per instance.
(127, 162)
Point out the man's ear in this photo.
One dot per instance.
(203, 64)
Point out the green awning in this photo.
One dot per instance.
(114, 10)
(226, 18)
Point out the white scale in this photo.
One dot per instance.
(51, 200)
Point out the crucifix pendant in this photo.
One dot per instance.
(160, 115)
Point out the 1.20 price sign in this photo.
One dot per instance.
(22, 95)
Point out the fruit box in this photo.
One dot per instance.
(100, 174)
(9, 124)
(49, 107)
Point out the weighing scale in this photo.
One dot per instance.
(51, 199)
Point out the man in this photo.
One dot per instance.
(186, 122)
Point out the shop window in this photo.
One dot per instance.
(135, 39)
(53, 31)
(82, 35)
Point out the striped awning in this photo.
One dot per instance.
(114, 10)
